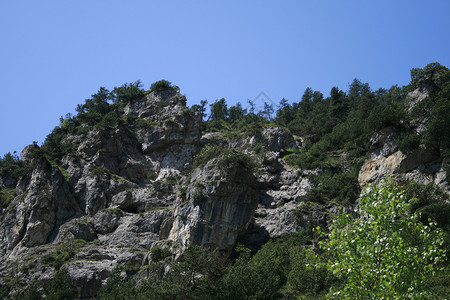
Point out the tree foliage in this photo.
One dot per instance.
(160, 85)
(219, 110)
(386, 252)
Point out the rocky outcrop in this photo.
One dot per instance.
(132, 186)
(135, 185)
(421, 165)
(219, 206)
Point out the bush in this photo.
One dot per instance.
(206, 154)
(228, 158)
(157, 253)
(408, 142)
(160, 85)
(340, 187)
(430, 202)
(116, 288)
(63, 253)
(235, 158)
(145, 124)
(308, 282)
(6, 196)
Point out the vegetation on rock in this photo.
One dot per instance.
(392, 246)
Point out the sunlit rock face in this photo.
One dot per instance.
(130, 186)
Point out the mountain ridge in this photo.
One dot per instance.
(137, 170)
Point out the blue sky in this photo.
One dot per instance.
(55, 54)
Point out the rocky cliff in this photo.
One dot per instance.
(153, 179)
(421, 164)
(133, 186)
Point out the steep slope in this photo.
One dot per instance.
(136, 177)
(132, 185)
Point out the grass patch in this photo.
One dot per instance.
(62, 254)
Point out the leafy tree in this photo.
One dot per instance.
(9, 163)
(195, 277)
(428, 76)
(203, 107)
(408, 141)
(386, 253)
(258, 277)
(387, 110)
(434, 110)
(61, 287)
(317, 96)
(312, 283)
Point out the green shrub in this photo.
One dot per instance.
(424, 195)
(227, 158)
(152, 176)
(169, 123)
(236, 158)
(58, 288)
(182, 190)
(117, 288)
(6, 196)
(199, 195)
(12, 165)
(160, 85)
(62, 254)
(171, 180)
(206, 154)
(157, 253)
(408, 141)
(338, 187)
(308, 282)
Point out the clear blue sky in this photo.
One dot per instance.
(55, 54)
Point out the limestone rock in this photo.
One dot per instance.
(80, 228)
(219, 207)
(130, 186)
(421, 165)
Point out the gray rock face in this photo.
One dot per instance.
(219, 207)
(421, 165)
(118, 192)
(132, 187)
